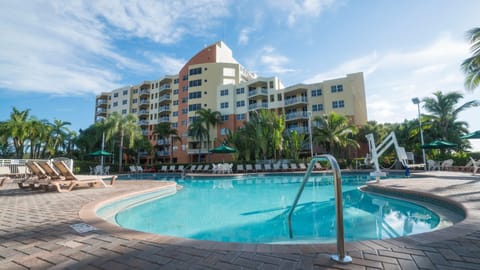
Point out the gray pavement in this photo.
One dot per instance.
(35, 233)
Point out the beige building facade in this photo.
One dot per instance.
(213, 79)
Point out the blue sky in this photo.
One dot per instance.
(55, 56)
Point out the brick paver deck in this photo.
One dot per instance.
(35, 233)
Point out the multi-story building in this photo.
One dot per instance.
(213, 79)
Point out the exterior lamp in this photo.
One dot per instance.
(416, 101)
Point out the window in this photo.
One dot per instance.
(224, 92)
(134, 100)
(240, 91)
(184, 122)
(175, 92)
(115, 95)
(124, 102)
(135, 91)
(175, 81)
(184, 88)
(185, 77)
(175, 102)
(174, 125)
(194, 95)
(316, 92)
(175, 113)
(115, 104)
(134, 110)
(224, 117)
(271, 84)
(195, 71)
(317, 107)
(184, 111)
(241, 116)
(338, 104)
(224, 105)
(337, 88)
(195, 83)
(241, 103)
(125, 92)
(184, 100)
(194, 107)
(224, 131)
(124, 111)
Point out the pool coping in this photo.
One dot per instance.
(469, 224)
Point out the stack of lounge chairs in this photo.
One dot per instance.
(57, 175)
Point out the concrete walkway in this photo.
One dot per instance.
(35, 233)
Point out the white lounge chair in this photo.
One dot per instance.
(446, 164)
(475, 164)
(268, 167)
(240, 168)
(248, 168)
(258, 168)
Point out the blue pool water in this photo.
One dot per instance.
(253, 209)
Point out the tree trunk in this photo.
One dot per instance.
(120, 158)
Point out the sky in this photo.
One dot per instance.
(55, 56)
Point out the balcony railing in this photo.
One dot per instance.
(162, 142)
(296, 115)
(262, 91)
(144, 92)
(163, 98)
(292, 101)
(102, 102)
(143, 122)
(143, 112)
(164, 120)
(144, 102)
(262, 105)
(164, 109)
(163, 87)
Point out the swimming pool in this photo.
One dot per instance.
(253, 209)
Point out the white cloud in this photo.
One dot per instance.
(71, 47)
(274, 62)
(393, 78)
(302, 8)
(167, 64)
(243, 35)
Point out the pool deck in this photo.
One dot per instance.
(35, 233)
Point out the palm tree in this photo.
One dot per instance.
(17, 128)
(59, 133)
(164, 131)
(198, 131)
(334, 132)
(443, 115)
(471, 65)
(125, 126)
(210, 119)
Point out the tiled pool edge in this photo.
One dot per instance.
(470, 224)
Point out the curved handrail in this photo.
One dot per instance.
(341, 257)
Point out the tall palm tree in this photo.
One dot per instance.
(335, 132)
(59, 133)
(17, 128)
(164, 131)
(471, 65)
(210, 119)
(198, 131)
(443, 114)
(124, 126)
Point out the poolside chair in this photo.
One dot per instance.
(240, 168)
(285, 167)
(193, 168)
(72, 180)
(106, 170)
(276, 167)
(258, 168)
(139, 169)
(248, 168)
(293, 166)
(181, 168)
(171, 169)
(133, 169)
(164, 168)
(229, 167)
(446, 164)
(302, 167)
(475, 164)
(52, 174)
(206, 168)
(98, 170)
(216, 168)
(268, 167)
(432, 165)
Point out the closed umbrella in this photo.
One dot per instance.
(439, 145)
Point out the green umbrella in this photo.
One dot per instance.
(223, 149)
(473, 135)
(100, 153)
(439, 145)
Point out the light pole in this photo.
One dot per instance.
(416, 100)
(309, 113)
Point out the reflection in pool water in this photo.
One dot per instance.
(254, 210)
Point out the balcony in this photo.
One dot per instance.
(144, 92)
(162, 142)
(163, 153)
(143, 123)
(258, 92)
(296, 100)
(143, 113)
(296, 115)
(144, 132)
(194, 151)
(164, 120)
(164, 87)
(255, 106)
(163, 109)
(102, 102)
(101, 112)
(164, 98)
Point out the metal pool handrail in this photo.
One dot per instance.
(341, 257)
